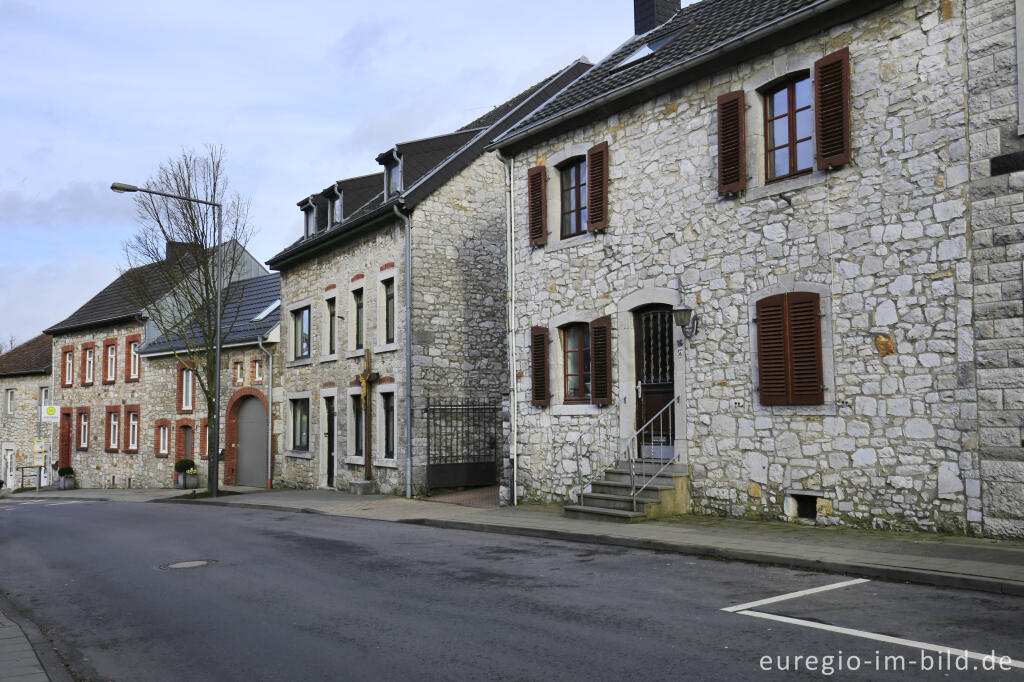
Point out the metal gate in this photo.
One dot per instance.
(464, 442)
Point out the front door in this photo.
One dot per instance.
(252, 443)
(655, 369)
(64, 456)
(329, 407)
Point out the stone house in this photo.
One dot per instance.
(400, 278)
(250, 370)
(25, 387)
(107, 398)
(763, 223)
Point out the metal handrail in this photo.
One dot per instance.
(633, 492)
(579, 457)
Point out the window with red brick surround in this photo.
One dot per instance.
(109, 361)
(182, 369)
(88, 363)
(111, 429)
(238, 373)
(67, 366)
(132, 362)
(132, 429)
(162, 437)
(257, 371)
(82, 435)
(179, 439)
(204, 436)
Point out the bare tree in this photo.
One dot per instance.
(171, 259)
(11, 344)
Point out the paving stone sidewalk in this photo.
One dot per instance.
(972, 563)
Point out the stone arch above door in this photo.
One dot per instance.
(230, 462)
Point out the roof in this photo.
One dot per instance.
(244, 300)
(712, 34)
(429, 163)
(32, 357)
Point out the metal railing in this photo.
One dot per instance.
(580, 444)
(653, 430)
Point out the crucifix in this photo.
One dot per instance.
(365, 379)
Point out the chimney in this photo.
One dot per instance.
(648, 14)
(175, 250)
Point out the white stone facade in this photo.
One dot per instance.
(20, 426)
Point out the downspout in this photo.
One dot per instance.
(510, 322)
(270, 411)
(408, 351)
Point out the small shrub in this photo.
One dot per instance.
(65, 471)
(183, 465)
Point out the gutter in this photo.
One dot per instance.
(270, 412)
(510, 323)
(308, 250)
(408, 349)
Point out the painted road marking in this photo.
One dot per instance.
(57, 504)
(885, 638)
(794, 595)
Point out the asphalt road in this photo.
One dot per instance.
(306, 597)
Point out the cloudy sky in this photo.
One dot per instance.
(300, 94)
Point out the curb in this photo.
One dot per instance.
(876, 571)
(245, 505)
(49, 660)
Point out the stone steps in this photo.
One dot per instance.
(666, 493)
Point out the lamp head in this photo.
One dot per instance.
(122, 187)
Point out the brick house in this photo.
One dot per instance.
(25, 387)
(794, 176)
(106, 396)
(428, 230)
(250, 369)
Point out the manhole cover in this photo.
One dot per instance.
(187, 564)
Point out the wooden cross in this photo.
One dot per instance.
(367, 377)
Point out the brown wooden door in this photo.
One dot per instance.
(655, 369)
(64, 454)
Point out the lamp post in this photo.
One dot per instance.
(121, 187)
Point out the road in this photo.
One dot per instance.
(294, 596)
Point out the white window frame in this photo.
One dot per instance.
(309, 220)
(9, 401)
(240, 372)
(187, 399)
(257, 369)
(353, 327)
(135, 360)
(380, 459)
(350, 420)
(383, 345)
(90, 361)
(83, 430)
(112, 362)
(44, 396)
(326, 343)
(133, 430)
(165, 439)
(114, 418)
(69, 367)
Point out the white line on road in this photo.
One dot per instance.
(794, 595)
(57, 504)
(882, 638)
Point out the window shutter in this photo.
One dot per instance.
(804, 349)
(601, 361)
(771, 350)
(597, 187)
(536, 189)
(539, 365)
(832, 108)
(732, 148)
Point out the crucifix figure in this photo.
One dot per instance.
(365, 379)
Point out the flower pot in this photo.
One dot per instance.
(67, 483)
(191, 481)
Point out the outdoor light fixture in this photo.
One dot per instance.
(122, 187)
(686, 319)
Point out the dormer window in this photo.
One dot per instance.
(394, 174)
(335, 209)
(310, 221)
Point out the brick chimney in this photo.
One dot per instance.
(650, 13)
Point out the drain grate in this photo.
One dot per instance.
(198, 563)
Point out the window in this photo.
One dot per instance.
(44, 396)
(788, 128)
(310, 221)
(9, 401)
(300, 333)
(163, 439)
(357, 317)
(87, 372)
(239, 373)
(133, 360)
(300, 424)
(388, 404)
(789, 353)
(83, 430)
(576, 351)
(331, 326)
(389, 310)
(574, 196)
(187, 383)
(69, 368)
(133, 431)
(109, 362)
(358, 426)
(113, 423)
(257, 371)
(336, 209)
(394, 173)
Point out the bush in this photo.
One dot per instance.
(183, 465)
(65, 471)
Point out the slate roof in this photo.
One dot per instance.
(429, 163)
(243, 301)
(704, 29)
(32, 357)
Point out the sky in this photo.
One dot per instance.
(299, 94)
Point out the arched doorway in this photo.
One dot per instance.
(251, 446)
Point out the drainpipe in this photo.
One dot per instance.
(408, 351)
(510, 322)
(270, 411)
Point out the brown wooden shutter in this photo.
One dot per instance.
(601, 361)
(539, 366)
(597, 187)
(536, 189)
(832, 108)
(772, 373)
(732, 148)
(805, 375)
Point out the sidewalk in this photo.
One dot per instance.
(971, 563)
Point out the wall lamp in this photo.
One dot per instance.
(687, 320)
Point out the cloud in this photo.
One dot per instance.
(76, 205)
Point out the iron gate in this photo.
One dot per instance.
(464, 442)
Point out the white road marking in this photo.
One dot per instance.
(57, 504)
(794, 595)
(882, 638)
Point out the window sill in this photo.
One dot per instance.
(576, 240)
(574, 410)
(385, 463)
(111, 450)
(132, 452)
(108, 382)
(801, 181)
(385, 348)
(328, 358)
(299, 363)
(354, 460)
(131, 380)
(298, 454)
(162, 455)
(355, 353)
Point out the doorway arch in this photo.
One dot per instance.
(245, 443)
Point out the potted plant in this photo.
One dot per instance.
(67, 479)
(187, 474)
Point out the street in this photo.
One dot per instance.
(289, 596)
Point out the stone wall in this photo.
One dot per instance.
(997, 237)
(20, 428)
(882, 239)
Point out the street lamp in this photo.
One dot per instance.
(121, 188)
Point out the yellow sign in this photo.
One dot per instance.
(39, 452)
